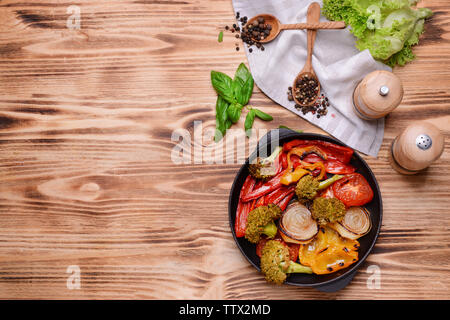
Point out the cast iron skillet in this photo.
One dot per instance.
(330, 282)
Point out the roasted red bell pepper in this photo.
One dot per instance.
(241, 218)
(253, 205)
(248, 186)
(270, 196)
(260, 202)
(264, 189)
(338, 167)
(336, 152)
(331, 166)
(279, 194)
(295, 143)
(283, 203)
(243, 208)
(295, 161)
(312, 158)
(284, 163)
(332, 151)
(280, 163)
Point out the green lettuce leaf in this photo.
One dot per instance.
(387, 28)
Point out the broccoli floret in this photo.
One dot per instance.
(265, 168)
(276, 264)
(260, 221)
(326, 210)
(307, 188)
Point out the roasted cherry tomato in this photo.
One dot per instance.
(353, 190)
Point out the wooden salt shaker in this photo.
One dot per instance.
(416, 148)
(378, 94)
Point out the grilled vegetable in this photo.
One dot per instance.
(260, 221)
(356, 223)
(308, 187)
(293, 247)
(276, 264)
(297, 225)
(326, 210)
(331, 150)
(265, 168)
(353, 190)
(243, 208)
(294, 176)
(264, 189)
(297, 168)
(328, 252)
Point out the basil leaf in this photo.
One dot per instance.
(242, 73)
(234, 112)
(220, 39)
(244, 76)
(284, 127)
(237, 88)
(246, 92)
(223, 85)
(262, 115)
(221, 118)
(248, 124)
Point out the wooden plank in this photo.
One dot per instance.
(86, 119)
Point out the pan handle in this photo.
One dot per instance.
(337, 285)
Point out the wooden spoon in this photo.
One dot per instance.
(313, 16)
(277, 27)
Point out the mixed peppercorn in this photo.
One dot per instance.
(250, 33)
(319, 108)
(306, 89)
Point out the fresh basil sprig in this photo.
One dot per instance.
(223, 85)
(249, 119)
(233, 96)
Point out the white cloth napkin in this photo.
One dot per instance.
(337, 63)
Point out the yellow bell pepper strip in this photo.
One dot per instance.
(328, 252)
(294, 176)
(300, 171)
(303, 151)
(317, 165)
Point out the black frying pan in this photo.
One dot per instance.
(330, 282)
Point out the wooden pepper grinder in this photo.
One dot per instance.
(378, 94)
(416, 148)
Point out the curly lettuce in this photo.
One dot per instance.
(387, 28)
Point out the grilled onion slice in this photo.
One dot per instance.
(297, 224)
(355, 224)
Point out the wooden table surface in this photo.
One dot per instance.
(87, 180)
